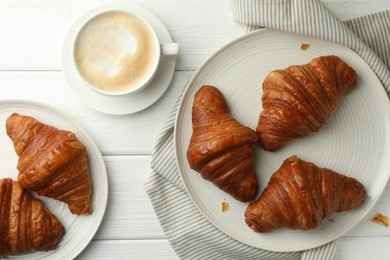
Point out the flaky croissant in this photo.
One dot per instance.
(221, 149)
(301, 195)
(300, 99)
(25, 224)
(52, 162)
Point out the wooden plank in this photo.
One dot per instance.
(129, 249)
(362, 248)
(129, 213)
(357, 248)
(129, 134)
(33, 31)
(348, 248)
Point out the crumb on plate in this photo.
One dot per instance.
(225, 206)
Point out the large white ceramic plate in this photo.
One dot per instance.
(355, 141)
(79, 230)
(126, 104)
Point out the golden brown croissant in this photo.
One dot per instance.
(301, 195)
(25, 224)
(300, 99)
(221, 149)
(52, 162)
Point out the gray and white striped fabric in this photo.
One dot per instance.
(189, 232)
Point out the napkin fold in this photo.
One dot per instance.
(191, 235)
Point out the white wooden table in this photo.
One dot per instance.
(32, 33)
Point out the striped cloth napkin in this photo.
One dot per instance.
(191, 235)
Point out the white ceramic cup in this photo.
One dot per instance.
(83, 38)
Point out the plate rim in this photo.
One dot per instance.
(181, 108)
(92, 145)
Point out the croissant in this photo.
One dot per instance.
(301, 195)
(221, 149)
(25, 224)
(300, 99)
(52, 162)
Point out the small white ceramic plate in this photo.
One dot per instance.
(127, 104)
(79, 230)
(355, 142)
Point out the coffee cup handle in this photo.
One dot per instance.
(169, 49)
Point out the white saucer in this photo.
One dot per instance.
(127, 104)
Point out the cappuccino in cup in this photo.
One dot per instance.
(116, 52)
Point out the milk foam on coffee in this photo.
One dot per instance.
(115, 51)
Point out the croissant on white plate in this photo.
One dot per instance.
(300, 99)
(25, 224)
(221, 149)
(301, 195)
(52, 162)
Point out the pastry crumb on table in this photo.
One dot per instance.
(380, 219)
(305, 46)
